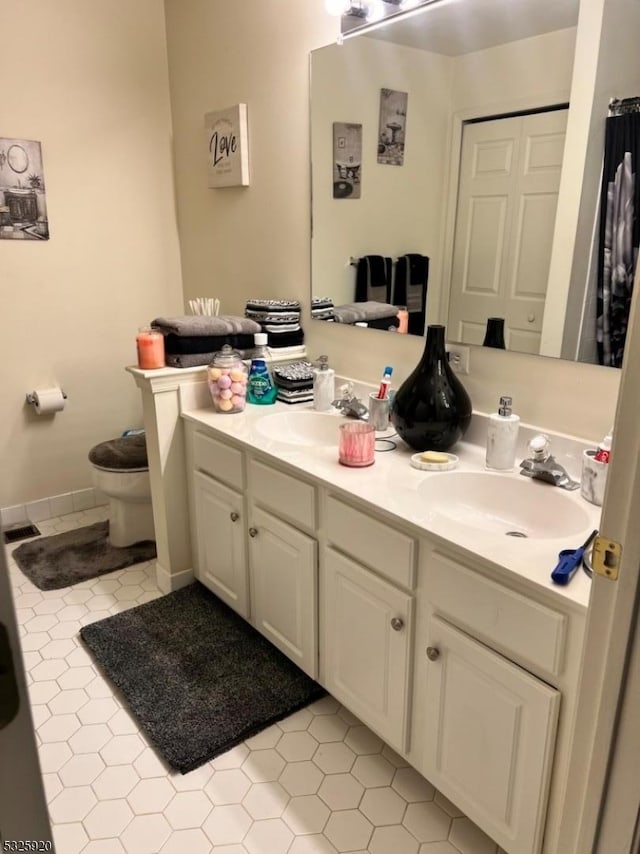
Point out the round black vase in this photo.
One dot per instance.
(431, 409)
(494, 336)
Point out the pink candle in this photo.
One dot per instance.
(150, 346)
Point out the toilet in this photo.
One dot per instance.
(121, 470)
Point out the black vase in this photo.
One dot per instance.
(431, 409)
(494, 336)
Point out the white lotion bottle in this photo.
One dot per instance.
(323, 385)
(502, 437)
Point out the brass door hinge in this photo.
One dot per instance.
(606, 556)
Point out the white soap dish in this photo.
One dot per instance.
(418, 463)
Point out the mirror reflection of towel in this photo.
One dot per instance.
(373, 279)
(410, 289)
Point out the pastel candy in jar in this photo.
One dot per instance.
(227, 380)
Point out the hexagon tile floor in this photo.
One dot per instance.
(319, 782)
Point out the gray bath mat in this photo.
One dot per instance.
(198, 678)
(74, 556)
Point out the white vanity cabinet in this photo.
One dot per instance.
(283, 563)
(367, 620)
(219, 521)
(252, 543)
(465, 668)
(489, 736)
(489, 663)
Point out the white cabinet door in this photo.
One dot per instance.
(284, 599)
(367, 629)
(490, 737)
(220, 528)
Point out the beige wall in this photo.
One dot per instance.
(255, 241)
(88, 80)
(401, 208)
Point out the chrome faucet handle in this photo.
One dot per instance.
(346, 391)
(539, 447)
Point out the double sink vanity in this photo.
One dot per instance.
(401, 591)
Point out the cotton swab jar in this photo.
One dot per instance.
(357, 444)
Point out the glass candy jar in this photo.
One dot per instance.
(227, 379)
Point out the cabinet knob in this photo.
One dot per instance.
(253, 532)
(235, 516)
(433, 653)
(397, 623)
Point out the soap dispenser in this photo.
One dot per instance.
(502, 437)
(323, 384)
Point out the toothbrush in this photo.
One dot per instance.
(385, 382)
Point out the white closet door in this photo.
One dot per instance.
(507, 197)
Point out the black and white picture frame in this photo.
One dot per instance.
(392, 127)
(23, 201)
(347, 160)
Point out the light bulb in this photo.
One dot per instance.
(337, 7)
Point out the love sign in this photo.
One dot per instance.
(227, 142)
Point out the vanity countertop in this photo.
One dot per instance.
(391, 486)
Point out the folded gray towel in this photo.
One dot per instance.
(197, 324)
(356, 312)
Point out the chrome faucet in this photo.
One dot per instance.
(541, 465)
(350, 405)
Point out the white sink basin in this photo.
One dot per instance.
(505, 505)
(313, 429)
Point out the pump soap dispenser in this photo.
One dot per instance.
(323, 385)
(502, 437)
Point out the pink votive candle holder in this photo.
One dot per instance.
(357, 444)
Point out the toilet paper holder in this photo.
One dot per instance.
(31, 397)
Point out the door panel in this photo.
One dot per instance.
(367, 660)
(507, 197)
(284, 595)
(221, 542)
(490, 737)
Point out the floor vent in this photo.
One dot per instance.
(21, 531)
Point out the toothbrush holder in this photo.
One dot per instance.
(378, 412)
(594, 477)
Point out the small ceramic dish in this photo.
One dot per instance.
(418, 463)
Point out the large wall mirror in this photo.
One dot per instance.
(437, 145)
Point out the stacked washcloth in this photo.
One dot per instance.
(295, 382)
(193, 340)
(376, 315)
(280, 319)
(322, 308)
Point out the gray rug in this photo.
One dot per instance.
(198, 677)
(65, 559)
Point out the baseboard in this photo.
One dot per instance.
(55, 505)
(170, 581)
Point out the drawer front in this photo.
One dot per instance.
(522, 629)
(287, 496)
(374, 543)
(218, 460)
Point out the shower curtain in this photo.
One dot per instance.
(619, 229)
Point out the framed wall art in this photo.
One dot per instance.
(228, 147)
(392, 126)
(347, 160)
(23, 201)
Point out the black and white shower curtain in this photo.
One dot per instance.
(619, 230)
